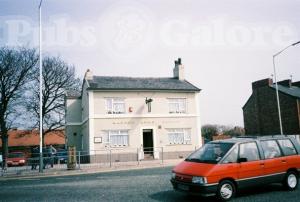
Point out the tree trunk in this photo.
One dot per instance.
(4, 138)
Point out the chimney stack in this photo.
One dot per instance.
(178, 71)
(88, 75)
(262, 83)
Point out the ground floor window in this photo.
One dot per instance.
(116, 138)
(179, 136)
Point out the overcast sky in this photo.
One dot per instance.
(224, 45)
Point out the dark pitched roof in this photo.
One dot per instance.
(132, 83)
(292, 91)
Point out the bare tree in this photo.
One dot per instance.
(58, 78)
(17, 67)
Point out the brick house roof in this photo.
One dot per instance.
(292, 91)
(135, 83)
(19, 138)
(286, 87)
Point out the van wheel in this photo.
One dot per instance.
(226, 190)
(291, 181)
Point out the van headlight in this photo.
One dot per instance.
(173, 176)
(199, 180)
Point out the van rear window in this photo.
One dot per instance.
(210, 153)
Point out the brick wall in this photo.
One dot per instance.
(261, 114)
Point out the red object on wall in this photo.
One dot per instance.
(130, 109)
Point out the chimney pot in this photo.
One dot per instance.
(179, 61)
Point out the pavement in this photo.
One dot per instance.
(89, 169)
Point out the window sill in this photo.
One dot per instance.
(108, 146)
(179, 144)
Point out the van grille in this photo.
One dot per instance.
(183, 178)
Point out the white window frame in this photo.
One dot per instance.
(114, 101)
(185, 132)
(109, 133)
(180, 105)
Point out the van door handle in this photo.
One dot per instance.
(283, 161)
(262, 164)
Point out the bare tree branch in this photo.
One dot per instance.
(58, 78)
(17, 67)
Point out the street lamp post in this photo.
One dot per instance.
(41, 86)
(276, 85)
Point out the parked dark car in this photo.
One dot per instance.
(16, 159)
(61, 156)
(48, 157)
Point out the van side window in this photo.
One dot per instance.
(232, 156)
(287, 147)
(270, 148)
(249, 151)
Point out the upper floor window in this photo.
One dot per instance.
(177, 105)
(115, 106)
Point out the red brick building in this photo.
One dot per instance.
(261, 112)
(24, 140)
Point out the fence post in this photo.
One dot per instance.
(79, 160)
(138, 159)
(162, 155)
(109, 157)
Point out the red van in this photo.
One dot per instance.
(222, 167)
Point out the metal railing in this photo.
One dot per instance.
(105, 158)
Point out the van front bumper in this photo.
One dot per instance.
(203, 190)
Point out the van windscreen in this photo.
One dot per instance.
(210, 153)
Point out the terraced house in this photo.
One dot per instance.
(147, 116)
(261, 112)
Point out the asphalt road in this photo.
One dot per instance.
(135, 185)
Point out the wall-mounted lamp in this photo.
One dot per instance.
(148, 102)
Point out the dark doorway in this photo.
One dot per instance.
(148, 142)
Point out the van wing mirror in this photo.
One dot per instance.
(241, 160)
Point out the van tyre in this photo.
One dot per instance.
(226, 190)
(291, 181)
